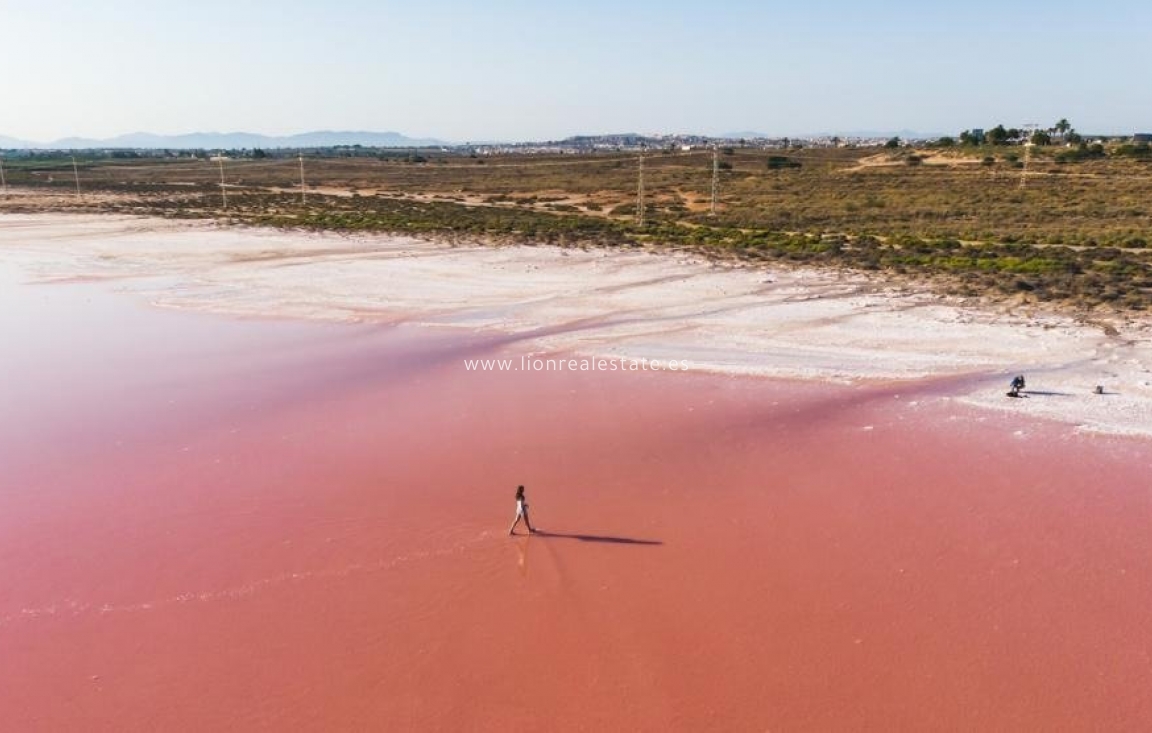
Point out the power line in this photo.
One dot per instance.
(715, 178)
(250, 165)
(303, 185)
(223, 190)
(640, 192)
(571, 161)
(1029, 130)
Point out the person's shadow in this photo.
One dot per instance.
(608, 539)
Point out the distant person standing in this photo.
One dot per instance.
(521, 512)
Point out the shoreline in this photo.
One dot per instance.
(617, 304)
(333, 499)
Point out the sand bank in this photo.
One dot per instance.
(785, 323)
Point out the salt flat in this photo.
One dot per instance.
(637, 304)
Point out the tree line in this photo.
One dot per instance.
(1061, 132)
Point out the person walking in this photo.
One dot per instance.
(521, 512)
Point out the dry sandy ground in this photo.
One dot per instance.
(782, 323)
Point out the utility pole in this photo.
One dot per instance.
(303, 186)
(640, 192)
(1029, 130)
(715, 178)
(3, 181)
(76, 175)
(223, 191)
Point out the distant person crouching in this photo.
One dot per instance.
(1017, 385)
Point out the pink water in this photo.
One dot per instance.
(218, 524)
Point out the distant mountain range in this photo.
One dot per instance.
(229, 141)
(877, 134)
(748, 135)
(329, 138)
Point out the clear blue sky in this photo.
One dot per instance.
(533, 70)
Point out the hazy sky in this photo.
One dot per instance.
(535, 70)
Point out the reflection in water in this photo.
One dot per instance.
(522, 549)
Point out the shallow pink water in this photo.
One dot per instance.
(208, 523)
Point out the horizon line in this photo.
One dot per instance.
(432, 141)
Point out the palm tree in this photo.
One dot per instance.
(1062, 127)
